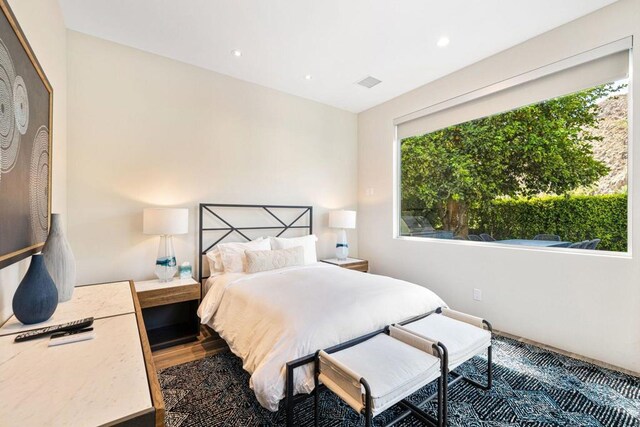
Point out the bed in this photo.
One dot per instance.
(274, 320)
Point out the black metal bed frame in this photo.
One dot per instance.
(290, 398)
(283, 226)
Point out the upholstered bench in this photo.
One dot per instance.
(374, 375)
(463, 336)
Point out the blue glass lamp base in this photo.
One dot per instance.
(342, 251)
(166, 269)
(342, 247)
(166, 266)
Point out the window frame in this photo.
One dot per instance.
(621, 45)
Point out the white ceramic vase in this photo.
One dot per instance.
(59, 260)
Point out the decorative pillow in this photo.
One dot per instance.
(272, 260)
(232, 254)
(215, 261)
(307, 242)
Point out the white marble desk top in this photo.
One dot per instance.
(98, 301)
(86, 383)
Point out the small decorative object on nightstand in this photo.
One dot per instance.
(170, 310)
(342, 220)
(165, 222)
(184, 271)
(349, 263)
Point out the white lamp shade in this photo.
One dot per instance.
(342, 219)
(165, 221)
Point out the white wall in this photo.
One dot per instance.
(585, 304)
(43, 24)
(149, 131)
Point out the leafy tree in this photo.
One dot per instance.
(541, 148)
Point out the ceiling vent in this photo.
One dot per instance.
(369, 82)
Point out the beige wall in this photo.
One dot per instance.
(150, 131)
(42, 23)
(581, 303)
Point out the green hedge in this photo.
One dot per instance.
(573, 218)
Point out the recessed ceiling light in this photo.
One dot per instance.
(236, 52)
(308, 77)
(443, 41)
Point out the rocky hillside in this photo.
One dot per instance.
(612, 150)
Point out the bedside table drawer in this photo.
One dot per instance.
(355, 264)
(178, 294)
(362, 266)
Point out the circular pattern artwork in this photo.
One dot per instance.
(6, 108)
(21, 104)
(38, 189)
(9, 135)
(25, 146)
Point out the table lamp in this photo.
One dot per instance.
(165, 222)
(342, 220)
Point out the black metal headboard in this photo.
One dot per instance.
(226, 228)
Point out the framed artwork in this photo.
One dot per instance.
(26, 107)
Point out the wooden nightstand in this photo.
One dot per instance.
(170, 310)
(350, 263)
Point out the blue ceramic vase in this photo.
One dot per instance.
(36, 298)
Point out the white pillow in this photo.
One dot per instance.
(307, 242)
(215, 261)
(233, 257)
(274, 259)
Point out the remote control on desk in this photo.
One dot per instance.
(71, 336)
(37, 333)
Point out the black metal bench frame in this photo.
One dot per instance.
(291, 399)
(411, 408)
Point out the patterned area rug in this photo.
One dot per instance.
(532, 387)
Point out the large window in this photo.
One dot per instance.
(551, 173)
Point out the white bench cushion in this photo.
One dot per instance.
(462, 340)
(393, 369)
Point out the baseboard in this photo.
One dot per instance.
(569, 354)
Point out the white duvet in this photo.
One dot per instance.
(273, 317)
